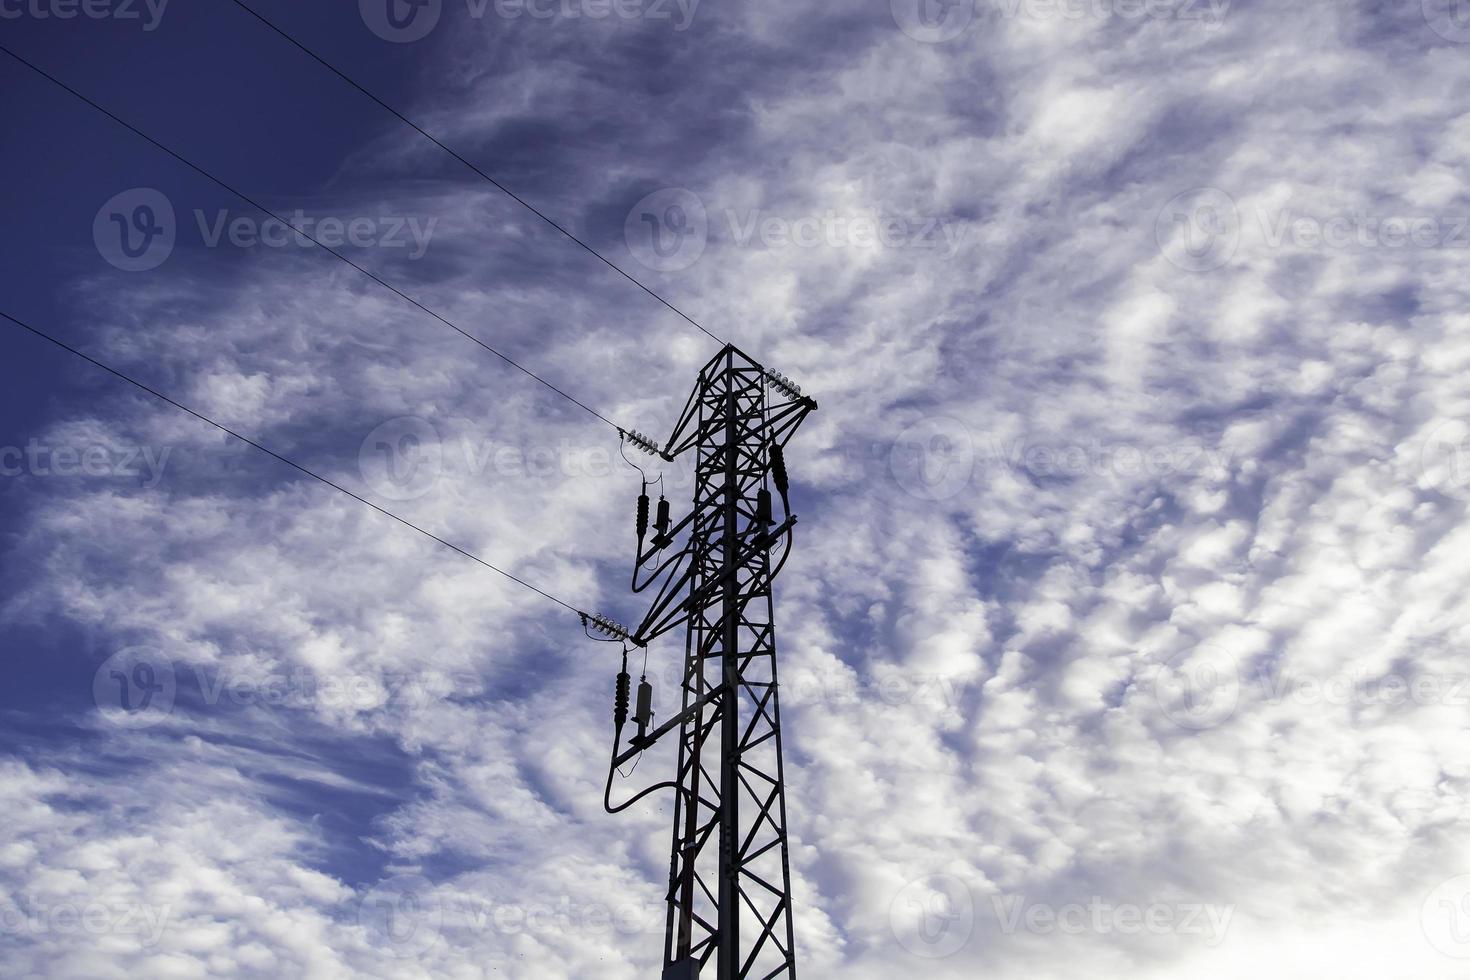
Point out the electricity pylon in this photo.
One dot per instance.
(729, 898)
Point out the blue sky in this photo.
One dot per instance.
(1124, 634)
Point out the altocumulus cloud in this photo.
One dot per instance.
(1124, 633)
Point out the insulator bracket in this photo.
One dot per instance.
(785, 384)
(607, 627)
(641, 441)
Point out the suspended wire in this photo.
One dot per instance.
(629, 774)
(495, 183)
(292, 463)
(623, 451)
(267, 211)
(601, 639)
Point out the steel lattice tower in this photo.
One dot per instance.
(729, 898)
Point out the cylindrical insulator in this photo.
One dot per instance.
(662, 525)
(644, 714)
(620, 699)
(642, 515)
(763, 507)
(778, 470)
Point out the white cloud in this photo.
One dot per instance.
(1164, 462)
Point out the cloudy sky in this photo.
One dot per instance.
(1125, 634)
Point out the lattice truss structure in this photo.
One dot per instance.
(729, 899)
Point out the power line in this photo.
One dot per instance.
(292, 463)
(267, 211)
(497, 184)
